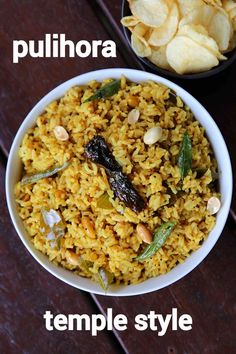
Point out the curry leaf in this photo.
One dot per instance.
(185, 156)
(107, 90)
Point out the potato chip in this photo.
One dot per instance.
(129, 21)
(207, 13)
(214, 3)
(232, 12)
(186, 56)
(140, 46)
(234, 22)
(220, 28)
(187, 36)
(199, 34)
(158, 57)
(228, 5)
(216, 22)
(232, 16)
(199, 16)
(187, 6)
(150, 12)
(163, 34)
(140, 29)
(230, 8)
(232, 43)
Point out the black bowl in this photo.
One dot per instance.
(125, 11)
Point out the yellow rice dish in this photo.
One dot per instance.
(77, 219)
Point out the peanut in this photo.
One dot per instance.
(133, 116)
(144, 234)
(59, 193)
(133, 101)
(60, 133)
(89, 226)
(152, 135)
(73, 258)
(213, 205)
(26, 197)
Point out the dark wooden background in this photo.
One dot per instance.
(208, 294)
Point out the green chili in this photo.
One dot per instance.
(160, 237)
(29, 179)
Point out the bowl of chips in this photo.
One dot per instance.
(182, 38)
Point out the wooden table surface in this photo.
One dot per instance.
(208, 293)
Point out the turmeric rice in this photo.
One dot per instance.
(104, 236)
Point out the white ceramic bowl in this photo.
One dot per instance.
(14, 167)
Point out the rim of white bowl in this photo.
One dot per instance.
(226, 185)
